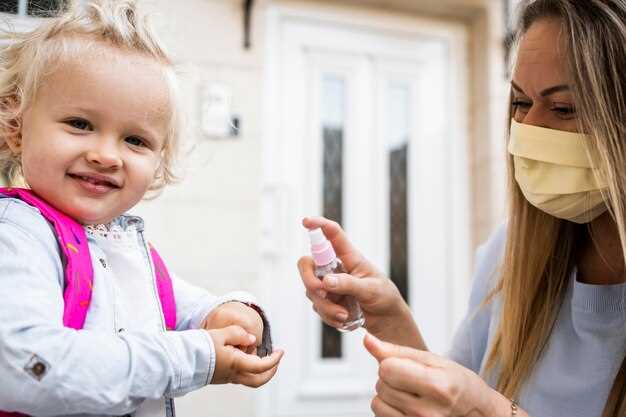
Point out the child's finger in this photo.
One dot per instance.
(256, 380)
(237, 336)
(253, 364)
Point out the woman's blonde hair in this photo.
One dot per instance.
(29, 56)
(540, 249)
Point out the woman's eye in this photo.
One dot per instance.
(564, 111)
(135, 141)
(520, 104)
(80, 124)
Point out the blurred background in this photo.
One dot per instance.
(385, 115)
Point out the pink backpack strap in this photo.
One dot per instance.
(165, 289)
(79, 270)
(73, 242)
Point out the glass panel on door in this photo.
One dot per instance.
(333, 125)
(43, 8)
(9, 6)
(397, 132)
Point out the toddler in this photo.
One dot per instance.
(88, 125)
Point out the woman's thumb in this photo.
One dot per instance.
(346, 284)
(376, 347)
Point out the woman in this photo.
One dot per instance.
(545, 331)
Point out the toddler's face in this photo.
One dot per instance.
(91, 140)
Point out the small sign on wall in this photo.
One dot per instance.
(216, 120)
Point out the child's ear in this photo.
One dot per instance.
(13, 132)
(14, 136)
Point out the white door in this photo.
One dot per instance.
(366, 125)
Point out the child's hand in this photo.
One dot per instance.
(238, 314)
(234, 366)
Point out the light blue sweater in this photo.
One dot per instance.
(120, 363)
(576, 371)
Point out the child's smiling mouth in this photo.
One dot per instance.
(95, 183)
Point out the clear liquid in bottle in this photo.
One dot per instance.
(327, 262)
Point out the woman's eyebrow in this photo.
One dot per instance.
(544, 93)
(517, 87)
(555, 89)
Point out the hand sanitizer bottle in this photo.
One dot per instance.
(326, 262)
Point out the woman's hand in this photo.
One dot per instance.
(386, 314)
(417, 383)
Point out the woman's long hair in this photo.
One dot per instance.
(540, 249)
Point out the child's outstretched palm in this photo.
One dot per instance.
(234, 365)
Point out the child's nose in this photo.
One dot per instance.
(105, 156)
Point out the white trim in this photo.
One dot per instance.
(22, 8)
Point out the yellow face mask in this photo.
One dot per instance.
(555, 173)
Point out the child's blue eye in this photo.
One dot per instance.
(80, 124)
(135, 141)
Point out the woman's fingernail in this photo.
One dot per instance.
(331, 281)
(252, 338)
(342, 316)
(321, 293)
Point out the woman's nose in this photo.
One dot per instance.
(536, 116)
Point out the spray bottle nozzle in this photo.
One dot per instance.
(321, 249)
(317, 236)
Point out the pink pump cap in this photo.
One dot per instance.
(321, 249)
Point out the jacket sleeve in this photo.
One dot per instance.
(47, 369)
(194, 303)
(471, 339)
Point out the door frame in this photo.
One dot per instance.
(279, 187)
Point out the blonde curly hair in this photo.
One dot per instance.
(29, 57)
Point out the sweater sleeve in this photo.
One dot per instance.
(470, 341)
(47, 369)
(194, 303)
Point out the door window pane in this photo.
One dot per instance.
(398, 141)
(332, 112)
(40, 8)
(43, 8)
(9, 6)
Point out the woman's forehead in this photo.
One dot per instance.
(541, 57)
